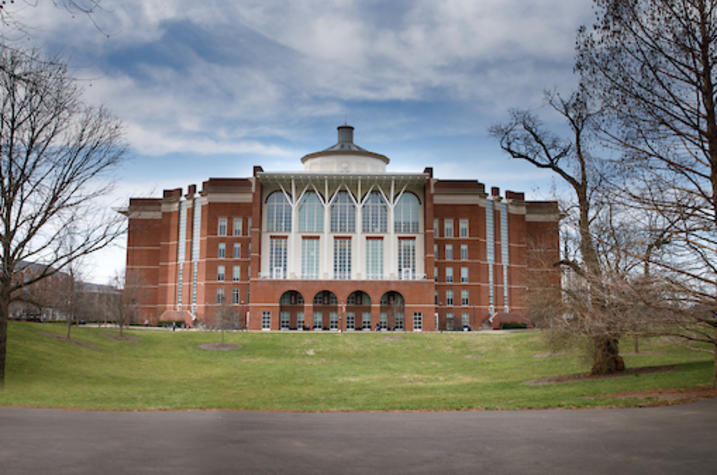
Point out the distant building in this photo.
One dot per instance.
(345, 244)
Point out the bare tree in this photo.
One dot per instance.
(226, 318)
(54, 152)
(652, 63)
(524, 137)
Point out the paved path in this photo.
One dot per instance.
(678, 439)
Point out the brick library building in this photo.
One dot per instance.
(343, 245)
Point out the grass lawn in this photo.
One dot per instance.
(320, 371)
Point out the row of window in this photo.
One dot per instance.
(318, 321)
(465, 320)
(237, 226)
(342, 258)
(448, 252)
(448, 227)
(236, 273)
(449, 274)
(450, 299)
(342, 213)
(236, 251)
(235, 296)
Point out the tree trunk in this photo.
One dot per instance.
(606, 356)
(636, 343)
(4, 312)
(714, 365)
(222, 336)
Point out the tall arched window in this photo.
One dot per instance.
(405, 215)
(311, 214)
(343, 214)
(374, 214)
(278, 213)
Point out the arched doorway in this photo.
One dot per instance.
(358, 311)
(391, 316)
(326, 311)
(291, 311)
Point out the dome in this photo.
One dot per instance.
(345, 156)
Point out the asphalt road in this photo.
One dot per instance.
(677, 439)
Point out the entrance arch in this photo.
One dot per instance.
(392, 316)
(326, 311)
(291, 310)
(358, 311)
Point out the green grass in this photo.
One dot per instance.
(355, 371)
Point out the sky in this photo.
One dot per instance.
(212, 88)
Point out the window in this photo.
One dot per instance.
(449, 252)
(449, 297)
(465, 319)
(449, 321)
(464, 297)
(405, 214)
(236, 273)
(343, 213)
(435, 297)
(464, 274)
(237, 250)
(222, 250)
(383, 321)
(300, 320)
(284, 320)
(311, 214)
(406, 259)
(435, 228)
(236, 229)
(417, 321)
(342, 259)
(463, 228)
(222, 227)
(449, 274)
(374, 258)
(277, 258)
(399, 322)
(278, 213)
(248, 229)
(447, 228)
(366, 320)
(435, 251)
(325, 298)
(350, 321)
(220, 296)
(235, 296)
(318, 323)
(333, 321)
(374, 213)
(464, 252)
(220, 272)
(266, 320)
(309, 258)
(435, 274)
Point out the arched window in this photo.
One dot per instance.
(405, 215)
(343, 214)
(374, 213)
(278, 213)
(311, 214)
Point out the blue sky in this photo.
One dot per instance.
(212, 88)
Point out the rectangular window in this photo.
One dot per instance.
(435, 228)
(464, 274)
(333, 321)
(237, 250)
(449, 274)
(383, 321)
(449, 252)
(309, 258)
(435, 274)
(222, 250)
(342, 259)
(266, 320)
(374, 259)
(464, 297)
(366, 320)
(447, 228)
(277, 258)
(464, 252)
(220, 296)
(300, 320)
(399, 322)
(236, 229)
(435, 297)
(284, 320)
(222, 227)
(248, 228)
(435, 251)
(465, 319)
(236, 273)
(220, 272)
(449, 321)
(417, 321)
(318, 321)
(407, 259)
(463, 228)
(350, 321)
(235, 296)
(449, 297)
